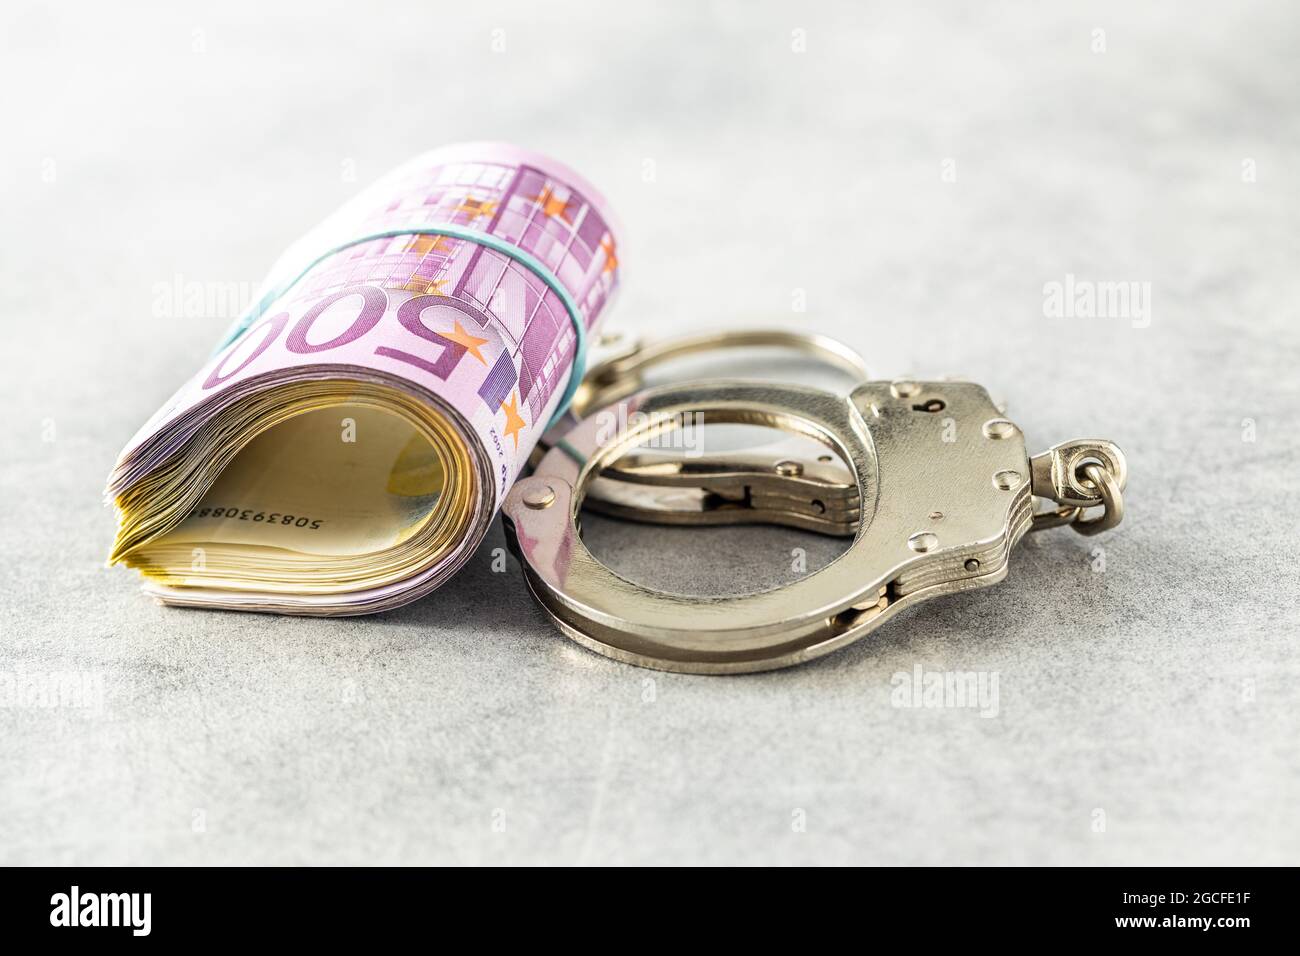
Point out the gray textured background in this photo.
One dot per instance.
(197, 140)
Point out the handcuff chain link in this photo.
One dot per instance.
(1080, 475)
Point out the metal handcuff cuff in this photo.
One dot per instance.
(932, 482)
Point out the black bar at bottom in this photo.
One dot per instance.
(925, 906)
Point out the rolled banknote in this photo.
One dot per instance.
(347, 446)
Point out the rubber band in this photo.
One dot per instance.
(527, 259)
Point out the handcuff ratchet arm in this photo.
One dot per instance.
(939, 514)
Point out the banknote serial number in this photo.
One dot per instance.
(266, 517)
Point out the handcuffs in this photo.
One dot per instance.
(934, 485)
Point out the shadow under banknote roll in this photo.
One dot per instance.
(346, 448)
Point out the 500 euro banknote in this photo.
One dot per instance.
(347, 446)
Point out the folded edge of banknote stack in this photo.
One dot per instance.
(346, 448)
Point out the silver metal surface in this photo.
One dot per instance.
(942, 500)
(769, 483)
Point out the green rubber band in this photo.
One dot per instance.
(527, 259)
(572, 452)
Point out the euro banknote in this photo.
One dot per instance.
(348, 444)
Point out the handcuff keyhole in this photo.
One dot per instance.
(933, 405)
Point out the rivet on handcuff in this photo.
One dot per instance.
(934, 484)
